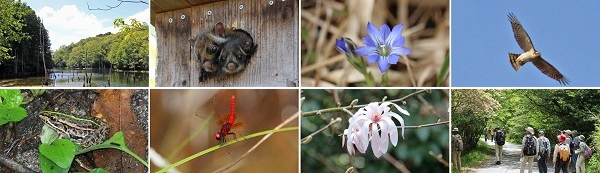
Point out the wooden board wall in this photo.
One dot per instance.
(273, 27)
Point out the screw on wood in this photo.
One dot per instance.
(182, 16)
(209, 13)
(271, 2)
(170, 20)
(241, 6)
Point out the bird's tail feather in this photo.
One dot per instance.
(513, 61)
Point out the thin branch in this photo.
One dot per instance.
(439, 158)
(309, 137)
(120, 2)
(425, 125)
(399, 165)
(339, 109)
(228, 166)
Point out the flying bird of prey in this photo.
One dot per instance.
(530, 54)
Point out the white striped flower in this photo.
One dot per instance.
(373, 123)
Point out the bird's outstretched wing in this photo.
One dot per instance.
(520, 34)
(550, 71)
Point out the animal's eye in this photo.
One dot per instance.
(213, 50)
(240, 57)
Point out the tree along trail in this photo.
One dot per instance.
(510, 161)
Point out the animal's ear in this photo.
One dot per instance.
(249, 47)
(219, 29)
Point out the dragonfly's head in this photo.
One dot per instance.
(218, 136)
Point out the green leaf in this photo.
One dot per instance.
(60, 152)
(10, 99)
(12, 115)
(48, 135)
(99, 170)
(117, 141)
(48, 166)
(442, 75)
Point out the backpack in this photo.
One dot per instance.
(529, 149)
(458, 143)
(563, 152)
(500, 138)
(587, 153)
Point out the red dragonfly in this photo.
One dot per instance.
(227, 123)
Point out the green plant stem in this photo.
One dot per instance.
(187, 140)
(340, 109)
(105, 146)
(203, 152)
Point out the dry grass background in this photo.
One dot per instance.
(426, 30)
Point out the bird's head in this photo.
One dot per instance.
(536, 53)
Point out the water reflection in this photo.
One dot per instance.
(60, 77)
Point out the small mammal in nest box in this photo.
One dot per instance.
(222, 51)
(206, 46)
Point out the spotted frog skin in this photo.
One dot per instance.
(87, 131)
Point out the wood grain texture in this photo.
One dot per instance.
(273, 27)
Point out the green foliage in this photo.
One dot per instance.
(127, 50)
(10, 106)
(57, 155)
(325, 153)
(23, 41)
(12, 17)
(471, 109)
(61, 152)
(481, 153)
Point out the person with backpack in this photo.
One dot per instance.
(574, 146)
(583, 153)
(529, 149)
(544, 146)
(499, 138)
(457, 147)
(561, 155)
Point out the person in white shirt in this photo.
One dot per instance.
(544, 151)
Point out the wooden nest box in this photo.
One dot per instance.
(272, 23)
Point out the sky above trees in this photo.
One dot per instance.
(70, 21)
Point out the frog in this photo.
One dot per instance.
(85, 131)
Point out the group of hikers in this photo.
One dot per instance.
(570, 149)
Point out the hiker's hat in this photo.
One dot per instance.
(581, 138)
(568, 132)
(455, 129)
(561, 138)
(530, 130)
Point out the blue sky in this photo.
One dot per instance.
(70, 20)
(566, 33)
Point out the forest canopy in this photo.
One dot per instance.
(24, 41)
(125, 50)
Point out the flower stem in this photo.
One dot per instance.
(339, 109)
(187, 159)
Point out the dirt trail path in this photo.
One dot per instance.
(510, 162)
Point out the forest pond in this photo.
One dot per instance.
(62, 77)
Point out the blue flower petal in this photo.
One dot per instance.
(394, 36)
(374, 33)
(366, 51)
(401, 51)
(340, 45)
(393, 59)
(385, 31)
(383, 64)
(373, 58)
(368, 41)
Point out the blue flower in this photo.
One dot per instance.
(383, 46)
